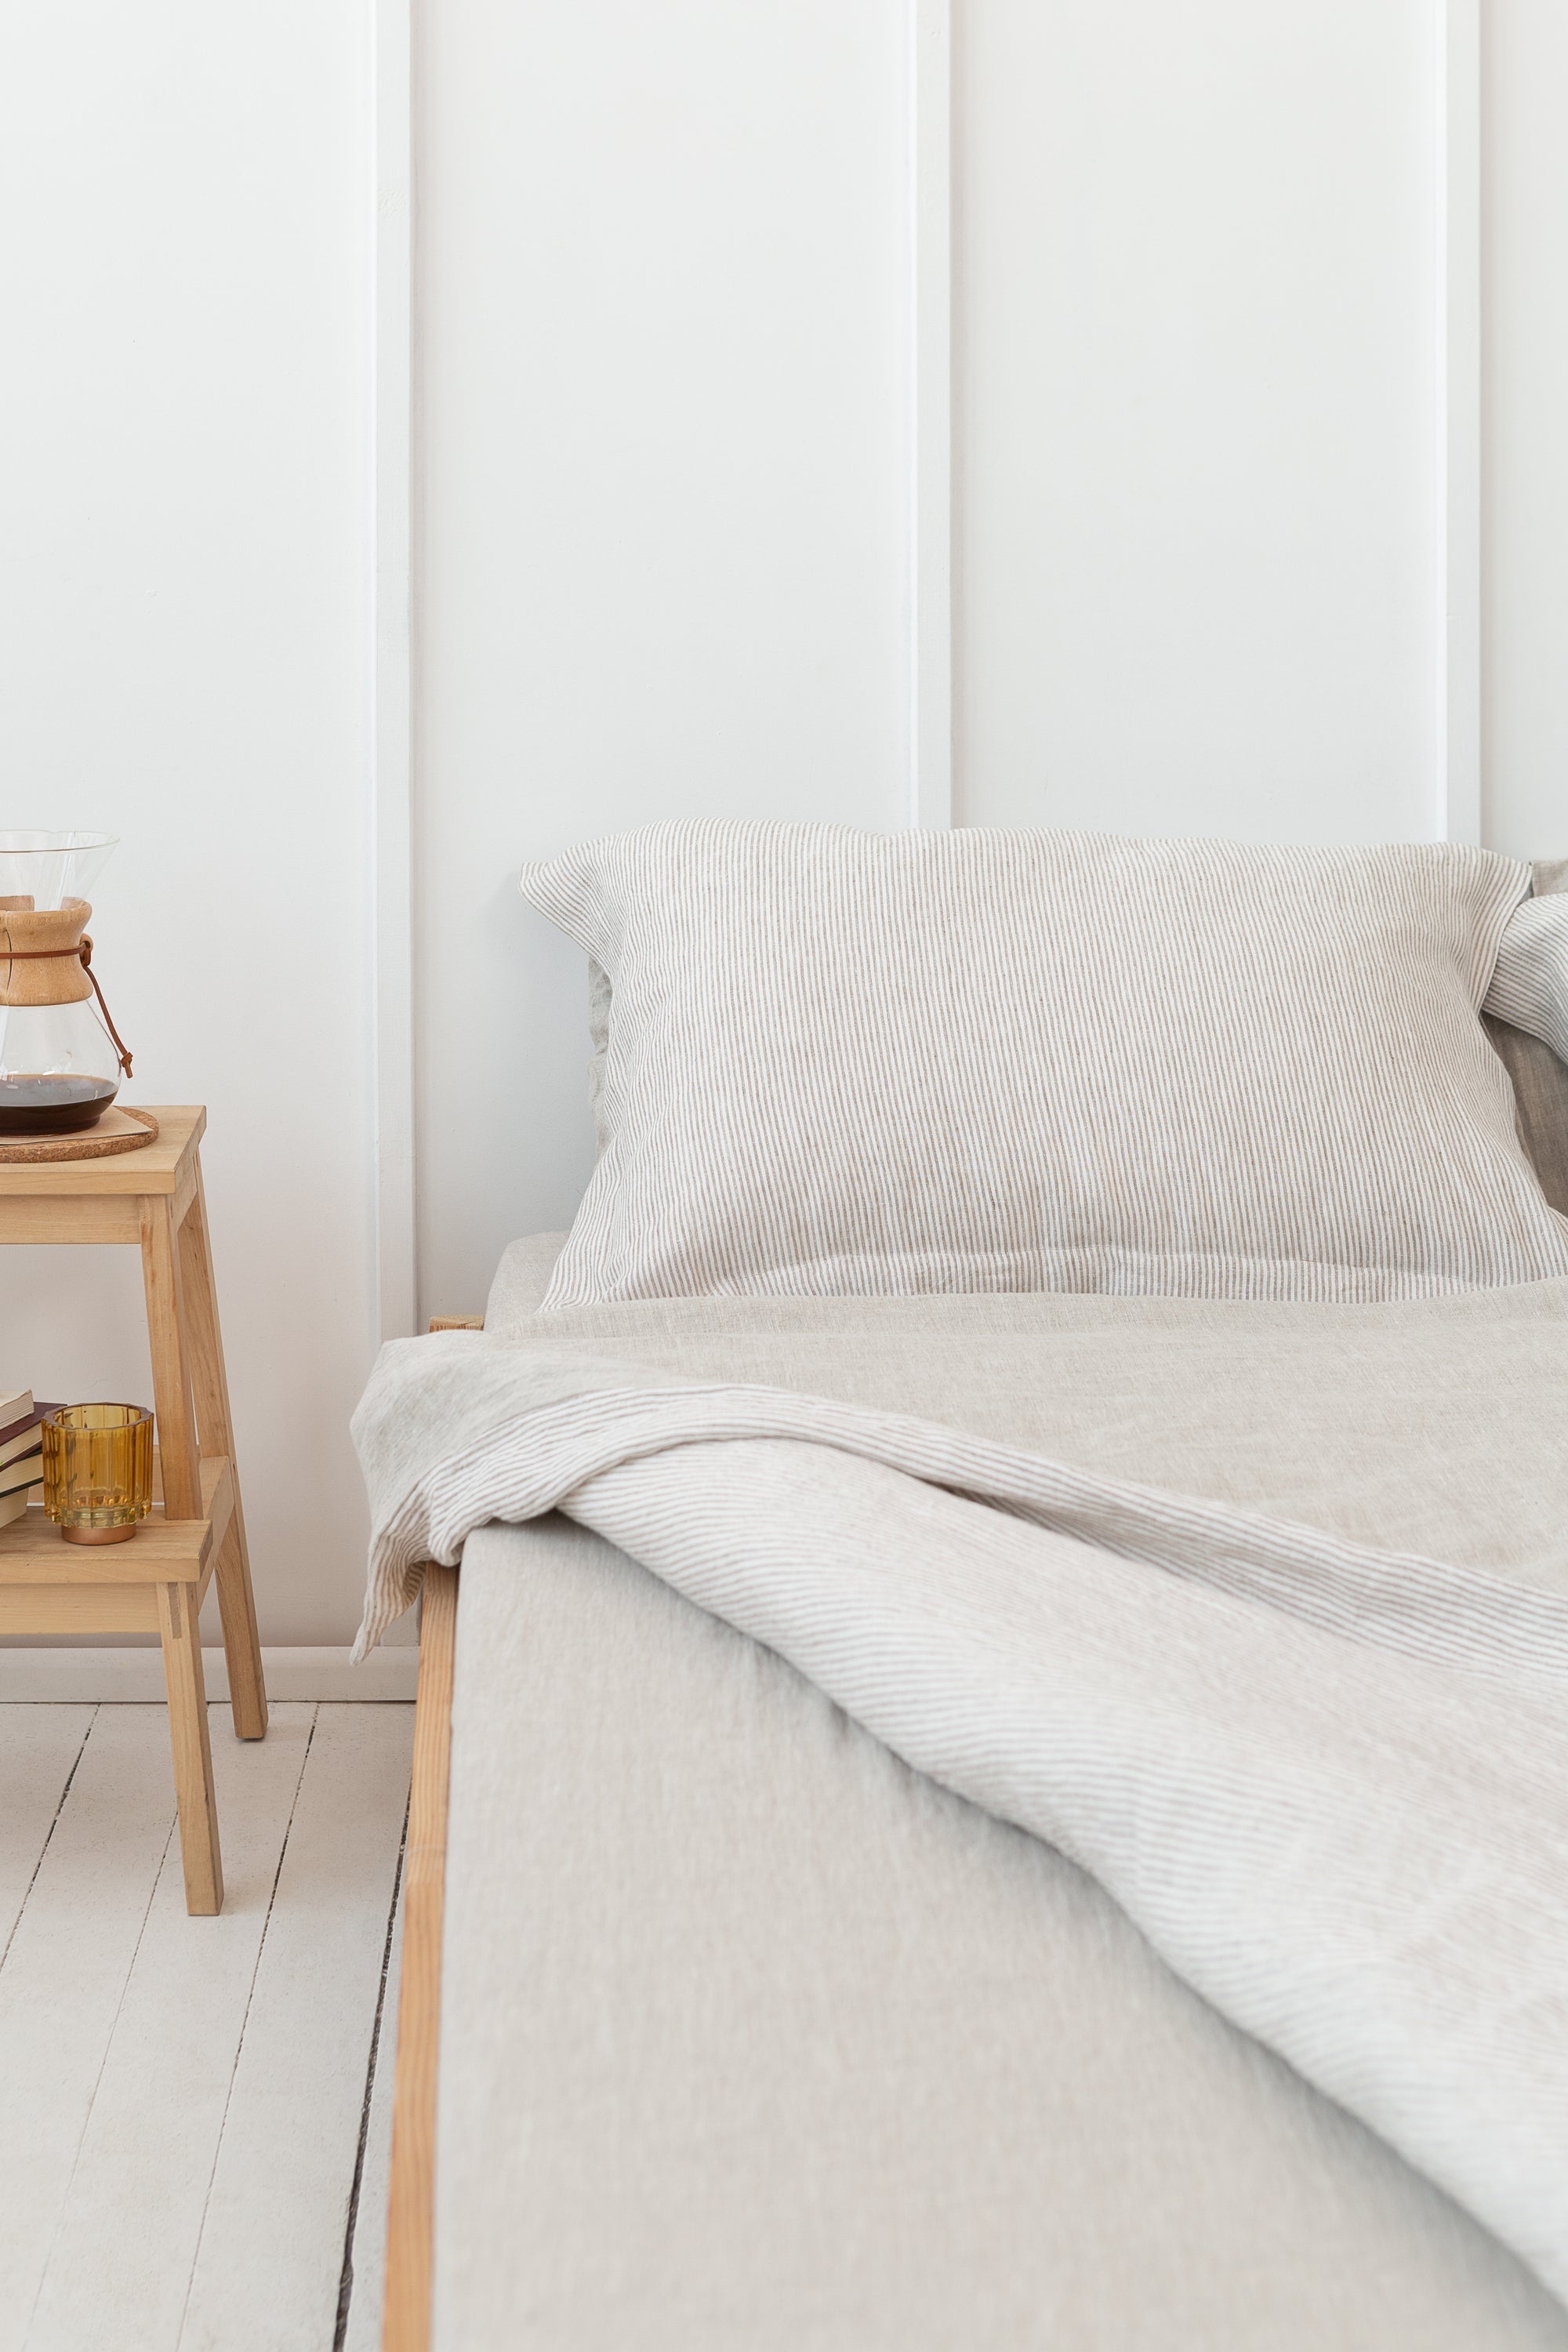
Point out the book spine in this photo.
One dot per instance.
(18, 1476)
(24, 1437)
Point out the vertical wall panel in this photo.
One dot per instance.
(1524, 154)
(663, 273)
(1199, 495)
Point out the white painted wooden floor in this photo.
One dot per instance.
(193, 2113)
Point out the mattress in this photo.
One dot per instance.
(753, 2037)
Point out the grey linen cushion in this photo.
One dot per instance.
(1527, 1005)
(842, 1062)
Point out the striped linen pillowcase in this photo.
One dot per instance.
(1530, 983)
(842, 1062)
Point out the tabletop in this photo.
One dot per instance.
(156, 1168)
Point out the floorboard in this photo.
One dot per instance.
(128, 2236)
(63, 1980)
(368, 2254)
(269, 2264)
(38, 1750)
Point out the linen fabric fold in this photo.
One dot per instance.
(1294, 1695)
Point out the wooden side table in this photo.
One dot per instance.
(154, 1583)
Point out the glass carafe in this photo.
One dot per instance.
(60, 1063)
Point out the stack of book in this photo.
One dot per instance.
(21, 1452)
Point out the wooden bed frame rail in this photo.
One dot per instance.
(411, 2197)
(410, 2215)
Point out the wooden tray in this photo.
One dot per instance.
(116, 1130)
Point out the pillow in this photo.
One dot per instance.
(1530, 983)
(1539, 1085)
(850, 1063)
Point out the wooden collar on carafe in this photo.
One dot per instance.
(46, 958)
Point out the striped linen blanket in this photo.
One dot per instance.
(1259, 1613)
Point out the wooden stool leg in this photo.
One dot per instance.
(167, 1339)
(177, 1624)
(241, 1641)
(214, 1424)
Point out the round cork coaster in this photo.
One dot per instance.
(117, 1131)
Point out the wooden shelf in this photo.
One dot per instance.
(161, 1550)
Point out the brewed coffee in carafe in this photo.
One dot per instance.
(60, 1059)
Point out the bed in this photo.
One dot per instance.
(749, 2031)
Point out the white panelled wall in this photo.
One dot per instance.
(749, 343)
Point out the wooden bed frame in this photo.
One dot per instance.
(411, 2197)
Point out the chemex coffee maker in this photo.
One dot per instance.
(61, 1058)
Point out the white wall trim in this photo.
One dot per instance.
(930, 438)
(392, 641)
(1459, 619)
(112, 1677)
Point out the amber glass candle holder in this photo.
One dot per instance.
(98, 1470)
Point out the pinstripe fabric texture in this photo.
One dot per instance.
(841, 1062)
(1307, 1851)
(1330, 1783)
(574, 1419)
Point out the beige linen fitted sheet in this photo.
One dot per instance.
(756, 2040)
